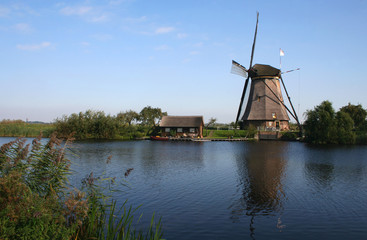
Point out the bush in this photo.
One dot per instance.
(289, 136)
(324, 126)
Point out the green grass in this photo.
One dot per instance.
(229, 133)
(23, 129)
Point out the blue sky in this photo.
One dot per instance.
(62, 57)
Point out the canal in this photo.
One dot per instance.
(236, 190)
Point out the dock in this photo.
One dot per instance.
(209, 139)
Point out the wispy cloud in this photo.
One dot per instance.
(87, 13)
(162, 48)
(194, 53)
(23, 28)
(4, 11)
(181, 35)
(103, 37)
(116, 2)
(136, 20)
(33, 47)
(102, 18)
(79, 11)
(163, 30)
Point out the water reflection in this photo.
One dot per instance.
(325, 165)
(260, 169)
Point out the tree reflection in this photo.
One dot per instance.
(260, 170)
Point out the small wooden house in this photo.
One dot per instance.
(182, 126)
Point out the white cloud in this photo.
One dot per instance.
(80, 11)
(33, 47)
(194, 53)
(163, 30)
(23, 28)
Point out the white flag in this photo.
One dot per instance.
(281, 52)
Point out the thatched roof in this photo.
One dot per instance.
(181, 121)
(263, 70)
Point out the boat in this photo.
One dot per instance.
(159, 138)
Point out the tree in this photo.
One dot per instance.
(211, 122)
(357, 113)
(128, 117)
(323, 125)
(319, 125)
(91, 124)
(151, 116)
(345, 132)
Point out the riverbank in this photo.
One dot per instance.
(24, 129)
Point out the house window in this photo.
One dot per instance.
(192, 130)
(179, 130)
(167, 130)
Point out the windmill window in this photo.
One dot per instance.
(258, 99)
(274, 115)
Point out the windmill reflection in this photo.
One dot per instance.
(260, 170)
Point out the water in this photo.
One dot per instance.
(237, 190)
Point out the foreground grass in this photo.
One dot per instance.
(36, 203)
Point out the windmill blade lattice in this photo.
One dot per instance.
(248, 77)
(238, 69)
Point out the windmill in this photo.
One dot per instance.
(265, 107)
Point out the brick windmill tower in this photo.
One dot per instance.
(265, 108)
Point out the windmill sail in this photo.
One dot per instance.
(238, 69)
(248, 77)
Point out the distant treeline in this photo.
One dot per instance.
(98, 125)
(325, 126)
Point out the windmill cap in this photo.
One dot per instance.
(259, 70)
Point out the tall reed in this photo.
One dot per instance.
(36, 202)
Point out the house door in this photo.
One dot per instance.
(277, 125)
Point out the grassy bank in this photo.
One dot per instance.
(19, 128)
(214, 133)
